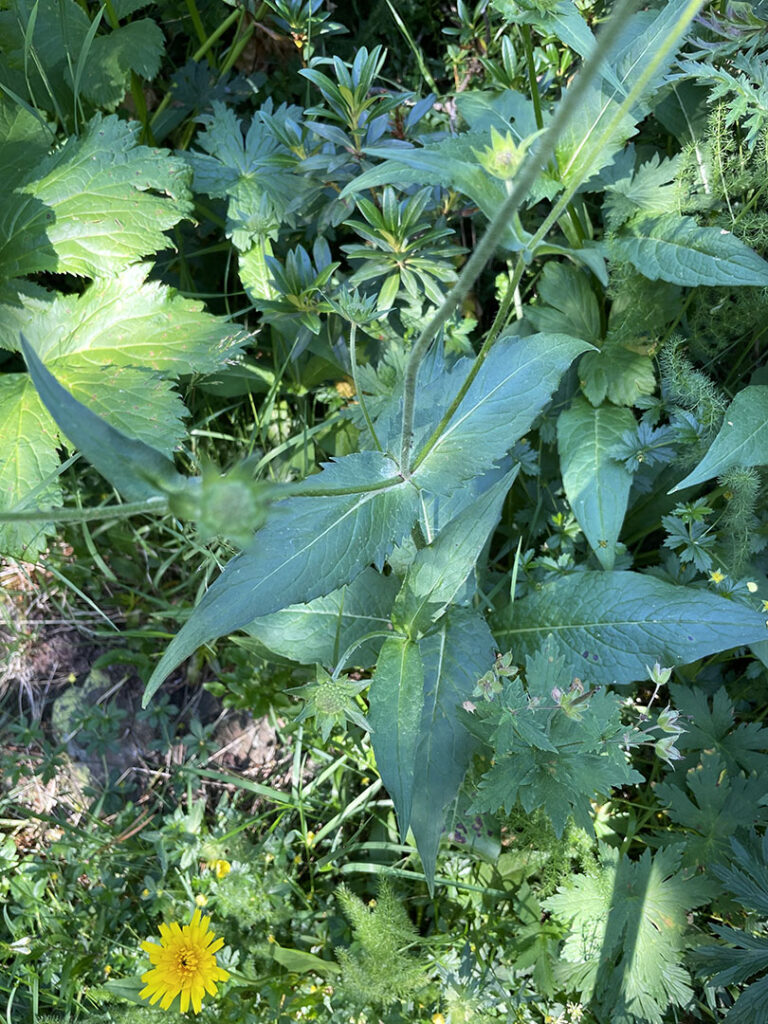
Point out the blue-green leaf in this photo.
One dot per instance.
(741, 441)
(137, 470)
(396, 700)
(439, 570)
(610, 625)
(309, 547)
(676, 249)
(454, 657)
(323, 629)
(596, 485)
(512, 387)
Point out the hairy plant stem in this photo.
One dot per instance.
(485, 248)
(358, 392)
(74, 515)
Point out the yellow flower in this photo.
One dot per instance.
(184, 964)
(221, 868)
(716, 576)
(201, 899)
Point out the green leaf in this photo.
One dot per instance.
(628, 925)
(137, 46)
(579, 157)
(28, 464)
(714, 808)
(24, 141)
(309, 547)
(616, 373)
(298, 961)
(712, 728)
(439, 570)
(610, 625)
(548, 751)
(512, 387)
(323, 629)
(648, 190)
(596, 485)
(396, 699)
(673, 248)
(137, 470)
(126, 320)
(570, 305)
(741, 441)
(95, 205)
(454, 657)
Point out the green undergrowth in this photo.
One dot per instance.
(385, 383)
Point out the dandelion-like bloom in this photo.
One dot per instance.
(184, 964)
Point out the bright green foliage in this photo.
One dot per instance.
(379, 968)
(610, 626)
(331, 702)
(596, 484)
(616, 373)
(93, 206)
(569, 305)
(628, 925)
(553, 745)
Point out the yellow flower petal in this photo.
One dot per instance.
(184, 964)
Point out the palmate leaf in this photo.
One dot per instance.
(674, 248)
(596, 485)
(94, 206)
(628, 924)
(610, 625)
(713, 809)
(310, 547)
(711, 727)
(741, 441)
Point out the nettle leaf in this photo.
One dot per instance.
(95, 205)
(322, 630)
(137, 46)
(715, 806)
(126, 320)
(29, 464)
(610, 625)
(396, 699)
(674, 248)
(628, 925)
(309, 547)
(741, 441)
(20, 302)
(454, 657)
(596, 485)
(439, 570)
(512, 387)
(549, 751)
(712, 728)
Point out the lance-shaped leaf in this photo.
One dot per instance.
(439, 570)
(596, 485)
(310, 547)
(322, 630)
(610, 625)
(137, 470)
(741, 441)
(511, 388)
(676, 249)
(396, 700)
(454, 657)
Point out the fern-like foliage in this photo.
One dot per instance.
(378, 969)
